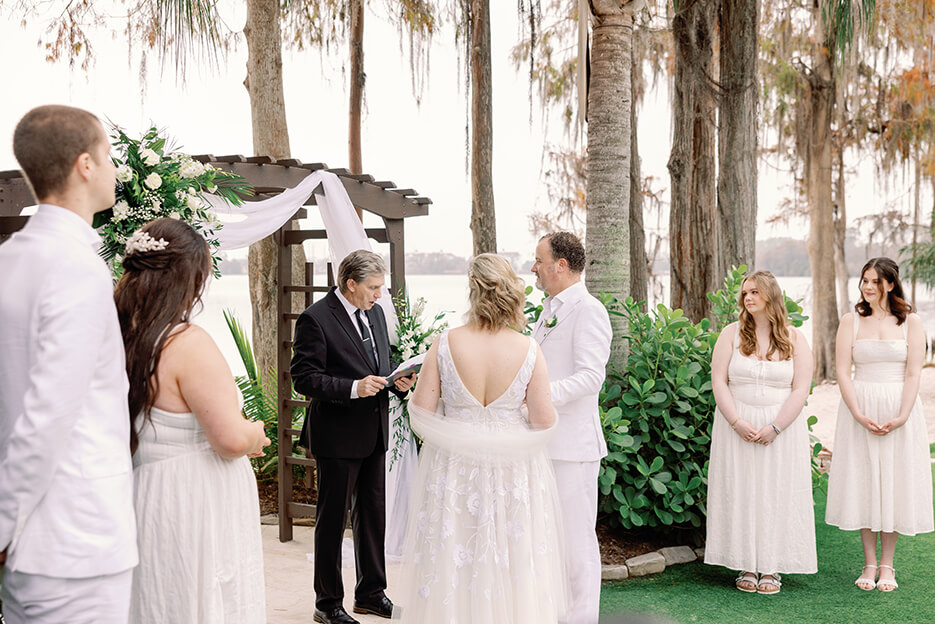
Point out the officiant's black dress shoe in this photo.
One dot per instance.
(382, 607)
(334, 616)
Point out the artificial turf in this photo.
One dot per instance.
(705, 594)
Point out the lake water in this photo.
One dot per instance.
(449, 293)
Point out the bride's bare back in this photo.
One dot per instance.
(487, 363)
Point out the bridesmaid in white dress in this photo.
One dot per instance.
(484, 536)
(881, 475)
(198, 525)
(760, 515)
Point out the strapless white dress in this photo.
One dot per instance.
(198, 525)
(880, 483)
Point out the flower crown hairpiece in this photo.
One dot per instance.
(142, 242)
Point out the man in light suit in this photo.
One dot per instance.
(67, 529)
(341, 357)
(574, 334)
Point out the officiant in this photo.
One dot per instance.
(341, 357)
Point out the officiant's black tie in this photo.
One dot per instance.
(365, 336)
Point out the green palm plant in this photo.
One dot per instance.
(259, 399)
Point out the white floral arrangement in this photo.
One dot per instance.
(413, 337)
(154, 182)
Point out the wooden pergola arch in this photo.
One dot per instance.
(270, 177)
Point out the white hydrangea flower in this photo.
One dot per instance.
(124, 173)
(153, 181)
(149, 157)
(121, 210)
(191, 169)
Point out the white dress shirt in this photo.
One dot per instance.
(66, 507)
(351, 310)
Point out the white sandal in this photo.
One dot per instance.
(749, 577)
(867, 580)
(891, 584)
(769, 579)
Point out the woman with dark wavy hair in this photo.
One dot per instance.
(760, 517)
(201, 557)
(881, 475)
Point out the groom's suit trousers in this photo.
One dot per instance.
(37, 599)
(577, 489)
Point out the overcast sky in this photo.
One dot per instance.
(418, 146)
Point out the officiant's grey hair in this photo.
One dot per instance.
(358, 266)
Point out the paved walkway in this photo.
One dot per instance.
(290, 594)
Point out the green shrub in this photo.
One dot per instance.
(657, 419)
(657, 414)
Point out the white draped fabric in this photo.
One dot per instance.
(253, 221)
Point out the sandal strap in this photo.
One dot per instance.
(771, 579)
(887, 567)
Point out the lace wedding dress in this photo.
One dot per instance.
(484, 538)
(198, 524)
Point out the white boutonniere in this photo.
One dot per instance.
(552, 322)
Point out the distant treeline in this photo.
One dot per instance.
(780, 256)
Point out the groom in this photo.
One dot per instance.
(67, 530)
(574, 334)
(341, 357)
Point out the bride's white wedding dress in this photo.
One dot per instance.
(198, 525)
(483, 543)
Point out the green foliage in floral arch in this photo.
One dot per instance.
(155, 182)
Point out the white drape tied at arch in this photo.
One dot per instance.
(253, 221)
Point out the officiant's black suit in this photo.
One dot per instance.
(349, 440)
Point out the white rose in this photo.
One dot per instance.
(193, 202)
(153, 181)
(124, 173)
(149, 157)
(175, 215)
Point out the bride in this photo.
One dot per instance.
(483, 543)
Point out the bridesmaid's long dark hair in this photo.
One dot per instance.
(158, 290)
(889, 271)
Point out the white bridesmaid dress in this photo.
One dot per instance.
(881, 483)
(198, 523)
(760, 510)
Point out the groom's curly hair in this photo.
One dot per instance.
(568, 246)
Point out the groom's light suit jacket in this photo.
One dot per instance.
(576, 349)
(66, 480)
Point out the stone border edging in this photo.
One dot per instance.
(651, 563)
(642, 565)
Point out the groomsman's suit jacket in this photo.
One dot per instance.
(66, 481)
(576, 348)
(328, 357)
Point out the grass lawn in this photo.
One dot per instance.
(696, 592)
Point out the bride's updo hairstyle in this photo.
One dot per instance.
(164, 274)
(497, 295)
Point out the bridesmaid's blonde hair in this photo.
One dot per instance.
(780, 339)
(497, 295)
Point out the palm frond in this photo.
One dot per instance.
(242, 343)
